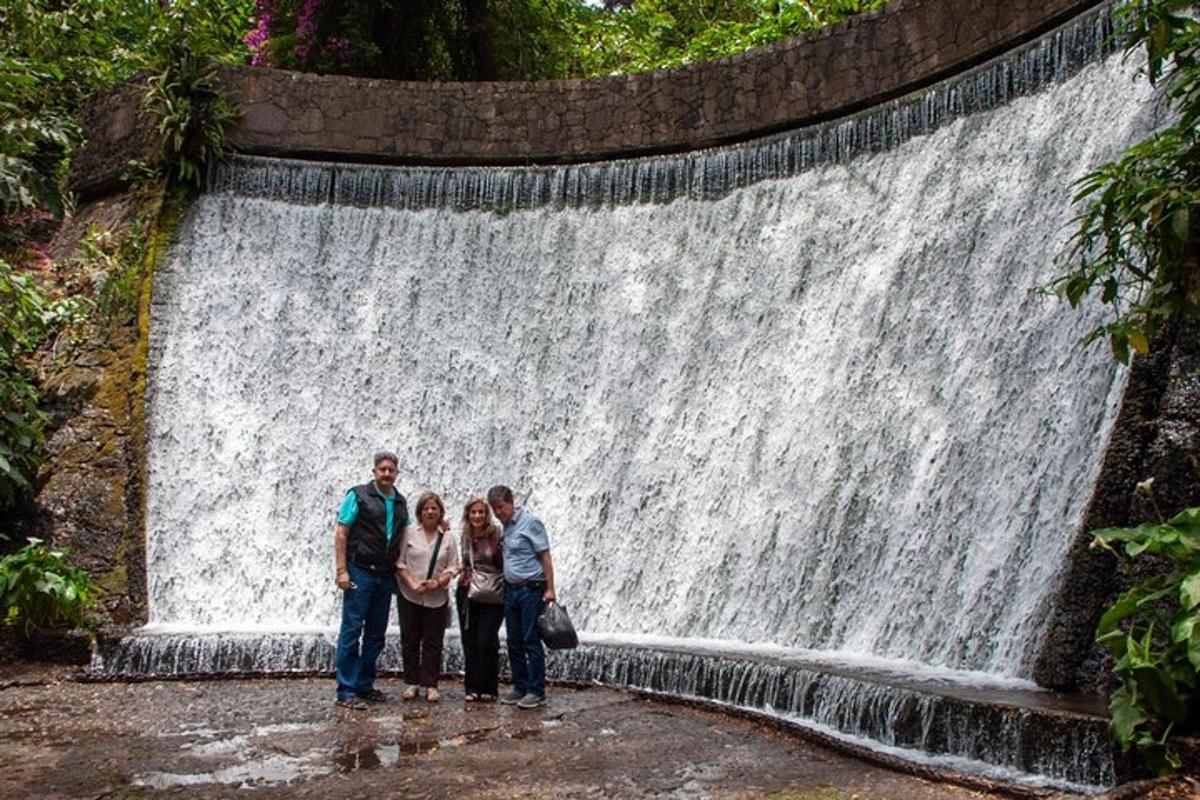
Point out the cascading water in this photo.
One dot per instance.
(795, 395)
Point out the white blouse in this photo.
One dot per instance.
(415, 550)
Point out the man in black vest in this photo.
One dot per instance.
(366, 539)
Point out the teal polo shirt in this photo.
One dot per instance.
(349, 512)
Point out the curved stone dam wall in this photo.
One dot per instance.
(805, 438)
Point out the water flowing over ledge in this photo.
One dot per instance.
(707, 174)
(821, 411)
(954, 722)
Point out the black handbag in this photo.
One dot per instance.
(555, 628)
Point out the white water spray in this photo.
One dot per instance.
(819, 411)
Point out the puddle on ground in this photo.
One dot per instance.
(267, 771)
(255, 768)
(372, 757)
(218, 747)
(470, 737)
(386, 755)
(290, 727)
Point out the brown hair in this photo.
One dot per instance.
(430, 497)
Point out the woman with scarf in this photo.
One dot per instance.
(480, 600)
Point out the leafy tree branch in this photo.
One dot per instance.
(1133, 248)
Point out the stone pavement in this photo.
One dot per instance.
(284, 738)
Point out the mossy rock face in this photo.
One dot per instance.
(90, 496)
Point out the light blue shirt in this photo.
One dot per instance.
(349, 511)
(524, 540)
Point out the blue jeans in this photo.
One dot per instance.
(364, 616)
(526, 658)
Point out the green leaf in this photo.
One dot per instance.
(1143, 531)
(1126, 714)
(1120, 346)
(1160, 691)
(1125, 606)
(1189, 517)
(1189, 591)
(1115, 642)
(1182, 629)
(1138, 341)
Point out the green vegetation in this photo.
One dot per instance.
(523, 39)
(421, 40)
(29, 320)
(654, 34)
(54, 55)
(39, 589)
(187, 43)
(32, 145)
(1134, 241)
(1134, 249)
(1153, 632)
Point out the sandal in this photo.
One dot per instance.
(410, 692)
(431, 695)
(471, 697)
(352, 703)
(487, 698)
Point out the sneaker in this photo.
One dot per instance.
(410, 692)
(373, 696)
(512, 698)
(352, 703)
(431, 695)
(531, 700)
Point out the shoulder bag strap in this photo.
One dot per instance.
(433, 557)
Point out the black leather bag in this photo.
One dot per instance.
(555, 628)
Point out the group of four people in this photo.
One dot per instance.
(504, 573)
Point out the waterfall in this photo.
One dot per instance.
(794, 395)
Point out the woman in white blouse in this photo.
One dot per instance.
(427, 563)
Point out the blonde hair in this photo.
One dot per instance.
(491, 526)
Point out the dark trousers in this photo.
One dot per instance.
(479, 624)
(364, 623)
(421, 632)
(526, 658)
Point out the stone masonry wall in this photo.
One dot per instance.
(861, 62)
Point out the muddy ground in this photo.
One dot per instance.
(284, 738)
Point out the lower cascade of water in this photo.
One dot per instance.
(940, 721)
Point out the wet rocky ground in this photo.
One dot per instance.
(284, 738)
(60, 737)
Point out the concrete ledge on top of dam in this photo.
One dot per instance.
(861, 62)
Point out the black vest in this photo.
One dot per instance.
(367, 546)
